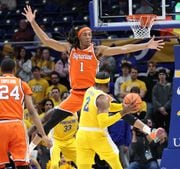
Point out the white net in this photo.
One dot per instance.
(141, 25)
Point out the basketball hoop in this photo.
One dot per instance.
(141, 24)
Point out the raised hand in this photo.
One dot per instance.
(29, 14)
(155, 44)
(158, 134)
(129, 108)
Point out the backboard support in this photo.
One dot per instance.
(103, 20)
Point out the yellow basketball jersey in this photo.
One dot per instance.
(88, 116)
(66, 129)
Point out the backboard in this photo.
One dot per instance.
(109, 15)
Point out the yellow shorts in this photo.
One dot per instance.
(67, 147)
(90, 142)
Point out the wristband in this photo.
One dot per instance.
(146, 129)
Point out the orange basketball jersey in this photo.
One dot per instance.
(12, 91)
(83, 66)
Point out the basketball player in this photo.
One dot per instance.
(63, 138)
(83, 62)
(13, 93)
(92, 136)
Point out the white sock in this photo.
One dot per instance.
(31, 147)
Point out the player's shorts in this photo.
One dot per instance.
(67, 147)
(13, 141)
(90, 142)
(74, 101)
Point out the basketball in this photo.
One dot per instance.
(133, 98)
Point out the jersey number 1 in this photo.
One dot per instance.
(81, 66)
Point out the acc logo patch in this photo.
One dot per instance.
(178, 113)
(178, 91)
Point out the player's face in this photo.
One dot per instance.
(85, 38)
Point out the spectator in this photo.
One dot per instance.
(24, 64)
(161, 99)
(134, 81)
(55, 82)
(36, 58)
(24, 32)
(143, 109)
(108, 64)
(46, 63)
(151, 79)
(43, 152)
(38, 85)
(56, 96)
(62, 67)
(8, 51)
(8, 4)
(143, 154)
(126, 68)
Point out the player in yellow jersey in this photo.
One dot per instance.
(92, 136)
(63, 138)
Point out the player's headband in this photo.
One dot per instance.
(102, 81)
(82, 30)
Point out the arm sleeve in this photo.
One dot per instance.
(105, 120)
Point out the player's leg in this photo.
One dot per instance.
(69, 106)
(107, 150)
(55, 155)
(85, 155)
(69, 150)
(19, 145)
(6, 132)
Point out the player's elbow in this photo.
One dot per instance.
(45, 41)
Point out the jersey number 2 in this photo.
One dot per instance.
(5, 93)
(86, 106)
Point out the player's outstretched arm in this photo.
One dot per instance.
(56, 45)
(34, 115)
(151, 44)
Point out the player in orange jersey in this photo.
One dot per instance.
(13, 93)
(83, 62)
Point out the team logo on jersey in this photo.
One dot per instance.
(77, 56)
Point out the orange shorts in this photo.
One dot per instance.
(74, 101)
(13, 141)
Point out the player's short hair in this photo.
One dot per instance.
(102, 75)
(8, 65)
(102, 78)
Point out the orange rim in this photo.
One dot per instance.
(145, 19)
